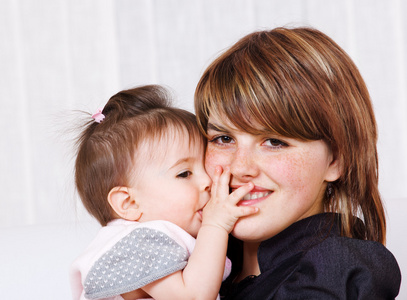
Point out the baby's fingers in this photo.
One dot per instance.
(246, 211)
(215, 178)
(220, 182)
(242, 191)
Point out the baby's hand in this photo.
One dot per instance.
(222, 210)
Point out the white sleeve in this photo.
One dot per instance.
(141, 257)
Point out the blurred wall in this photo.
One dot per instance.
(58, 56)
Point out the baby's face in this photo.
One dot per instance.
(172, 184)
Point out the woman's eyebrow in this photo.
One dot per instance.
(216, 127)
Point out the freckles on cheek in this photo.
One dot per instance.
(303, 175)
(293, 172)
(213, 159)
(209, 164)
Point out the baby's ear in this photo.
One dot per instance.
(121, 200)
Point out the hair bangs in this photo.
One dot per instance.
(256, 103)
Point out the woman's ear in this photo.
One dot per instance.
(334, 170)
(123, 203)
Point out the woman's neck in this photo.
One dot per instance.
(250, 262)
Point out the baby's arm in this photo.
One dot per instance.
(202, 277)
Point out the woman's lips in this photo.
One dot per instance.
(255, 196)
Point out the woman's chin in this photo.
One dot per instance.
(247, 230)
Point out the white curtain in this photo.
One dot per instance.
(58, 56)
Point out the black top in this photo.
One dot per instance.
(310, 260)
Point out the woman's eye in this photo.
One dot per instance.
(275, 143)
(223, 139)
(184, 174)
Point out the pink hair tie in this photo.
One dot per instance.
(98, 116)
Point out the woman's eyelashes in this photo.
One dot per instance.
(184, 174)
(221, 139)
(275, 143)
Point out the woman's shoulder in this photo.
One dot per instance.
(330, 247)
(359, 266)
(344, 249)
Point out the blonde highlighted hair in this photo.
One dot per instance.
(299, 83)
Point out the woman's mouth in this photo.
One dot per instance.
(254, 197)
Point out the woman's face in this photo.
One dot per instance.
(289, 175)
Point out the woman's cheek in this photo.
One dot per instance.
(211, 161)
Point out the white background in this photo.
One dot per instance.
(58, 56)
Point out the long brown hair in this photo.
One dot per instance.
(107, 151)
(299, 83)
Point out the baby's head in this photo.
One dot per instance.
(140, 131)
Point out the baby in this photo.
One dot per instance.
(140, 172)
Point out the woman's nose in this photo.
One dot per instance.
(244, 165)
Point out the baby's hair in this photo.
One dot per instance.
(299, 83)
(107, 151)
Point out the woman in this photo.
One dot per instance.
(288, 110)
